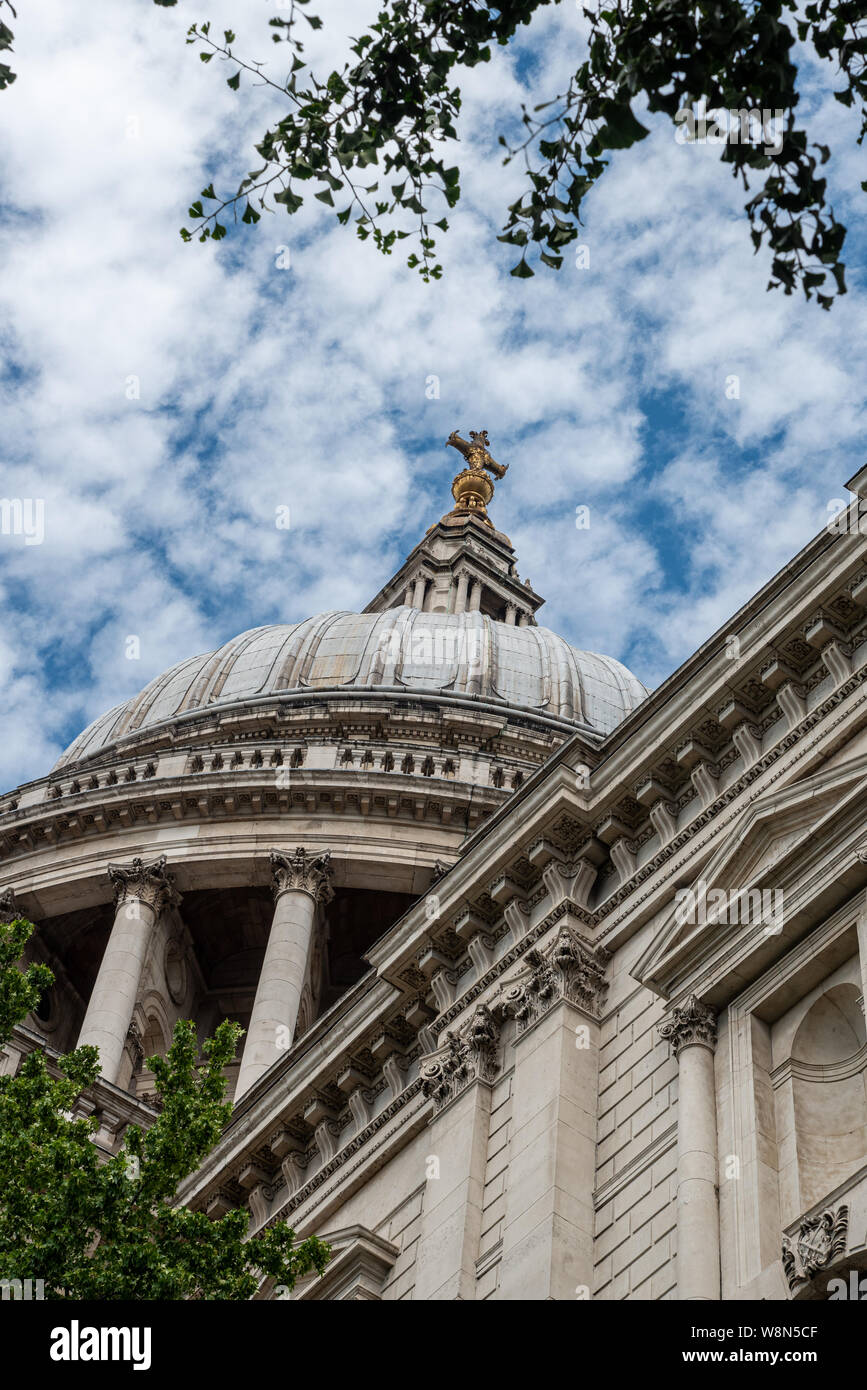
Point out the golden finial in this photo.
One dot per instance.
(472, 489)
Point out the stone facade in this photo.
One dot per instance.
(535, 1007)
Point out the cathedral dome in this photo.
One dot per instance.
(399, 651)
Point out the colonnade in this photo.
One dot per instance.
(143, 891)
(467, 597)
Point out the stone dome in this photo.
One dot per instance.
(466, 656)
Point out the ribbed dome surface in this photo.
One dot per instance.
(467, 654)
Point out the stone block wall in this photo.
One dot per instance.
(636, 1178)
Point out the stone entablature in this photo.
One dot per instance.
(580, 798)
(412, 760)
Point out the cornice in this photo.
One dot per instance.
(666, 863)
(227, 796)
(712, 814)
(321, 709)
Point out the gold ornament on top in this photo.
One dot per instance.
(472, 489)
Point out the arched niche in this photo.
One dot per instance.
(829, 1092)
(832, 1029)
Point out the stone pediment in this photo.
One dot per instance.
(757, 859)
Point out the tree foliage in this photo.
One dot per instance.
(378, 134)
(97, 1228)
(7, 76)
(380, 131)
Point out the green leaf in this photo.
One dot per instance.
(291, 201)
(522, 271)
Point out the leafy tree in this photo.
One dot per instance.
(391, 115)
(92, 1228)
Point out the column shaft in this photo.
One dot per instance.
(141, 891)
(461, 596)
(692, 1033)
(698, 1259)
(278, 995)
(300, 883)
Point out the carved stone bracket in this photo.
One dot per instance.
(691, 1024)
(301, 872)
(147, 883)
(819, 1241)
(9, 909)
(470, 1054)
(567, 969)
(135, 1043)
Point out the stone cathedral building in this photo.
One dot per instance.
(553, 987)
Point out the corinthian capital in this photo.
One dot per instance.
(147, 883)
(301, 872)
(470, 1054)
(692, 1024)
(569, 968)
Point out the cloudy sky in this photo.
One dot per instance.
(164, 400)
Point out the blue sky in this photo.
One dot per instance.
(261, 387)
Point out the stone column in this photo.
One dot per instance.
(300, 884)
(511, 614)
(418, 596)
(691, 1030)
(475, 596)
(141, 891)
(461, 596)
